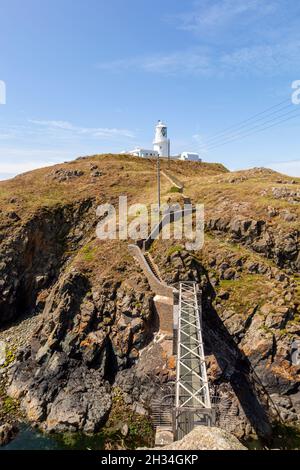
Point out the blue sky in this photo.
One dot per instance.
(92, 76)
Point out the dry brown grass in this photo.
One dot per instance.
(121, 175)
(244, 193)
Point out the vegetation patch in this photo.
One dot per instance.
(10, 355)
(125, 428)
(9, 407)
(249, 291)
(88, 253)
(174, 249)
(175, 189)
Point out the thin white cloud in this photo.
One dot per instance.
(209, 15)
(247, 36)
(183, 62)
(240, 36)
(191, 61)
(5, 136)
(98, 132)
(262, 59)
(65, 125)
(33, 155)
(233, 37)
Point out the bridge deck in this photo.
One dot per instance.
(192, 398)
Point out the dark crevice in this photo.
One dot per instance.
(250, 318)
(274, 349)
(111, 366)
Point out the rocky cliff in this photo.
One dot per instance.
(79, 316)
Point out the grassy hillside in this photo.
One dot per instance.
(119, 174)
(91, 309)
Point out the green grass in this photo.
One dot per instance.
(88, 253)
(9, 406)
(140, 429)
(174, 249)
(174, 189)
(247, 292)
(10, 356)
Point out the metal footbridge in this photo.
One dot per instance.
(187, 404)
(192, 397)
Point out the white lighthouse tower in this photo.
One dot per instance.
(161, 143)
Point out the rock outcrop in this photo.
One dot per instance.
(63, 396)
(85, 336)
(206, 438)
(282, 247)
(32, 257)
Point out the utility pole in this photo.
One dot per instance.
(158, 184)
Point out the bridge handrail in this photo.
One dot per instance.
(159, 287)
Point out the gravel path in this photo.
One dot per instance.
(18, 334)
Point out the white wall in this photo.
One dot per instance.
(194, 157)
(143, 153)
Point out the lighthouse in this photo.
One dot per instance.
(161, 143)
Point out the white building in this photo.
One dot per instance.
(161, 143)
(191, 156)
(144, 153)
(161, 147)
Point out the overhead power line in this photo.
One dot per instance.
(252, 127)
(257, 131)
(225, 135)
(241, 123)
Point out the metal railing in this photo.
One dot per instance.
(162, 412)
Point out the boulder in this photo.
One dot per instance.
(61, 174)
(61, 400)
(206, 438)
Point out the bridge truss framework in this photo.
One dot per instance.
(192, 398)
